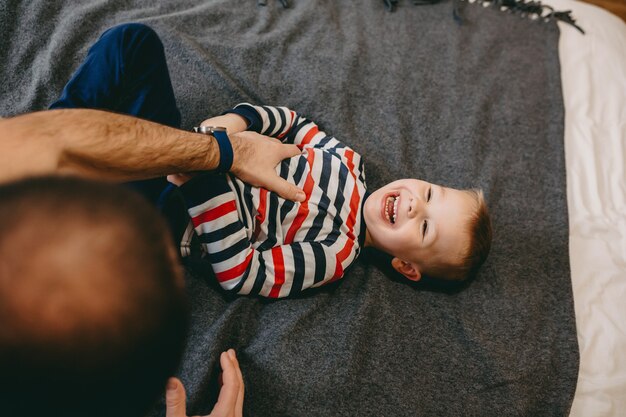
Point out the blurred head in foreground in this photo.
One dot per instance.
(92, 310)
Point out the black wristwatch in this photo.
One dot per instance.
(223, 142)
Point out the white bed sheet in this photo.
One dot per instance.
(593, 72)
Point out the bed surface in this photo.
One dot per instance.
(372, 346)
(593, 72)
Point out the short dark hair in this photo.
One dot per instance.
(93, 315)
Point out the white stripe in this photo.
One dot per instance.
(265, 120)
(309, 265)
(231, 283)
(231, 262)
(289, 270)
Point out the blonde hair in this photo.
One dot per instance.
(480, 234)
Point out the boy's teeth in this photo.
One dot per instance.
(391, 208)
(395, 209)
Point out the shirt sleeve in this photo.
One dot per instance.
(286, 125)
(275, 272)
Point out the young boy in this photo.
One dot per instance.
(259, 243)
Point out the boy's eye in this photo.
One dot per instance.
(429, 194)
(424, 228)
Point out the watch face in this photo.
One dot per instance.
(207, 130)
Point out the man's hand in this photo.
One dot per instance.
(230, 401)
(255, 161)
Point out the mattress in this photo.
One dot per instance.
(593, 73)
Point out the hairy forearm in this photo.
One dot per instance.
(99, 144)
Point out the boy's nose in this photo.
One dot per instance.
(415, 206)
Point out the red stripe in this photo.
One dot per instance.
(309, 135)
(350, 156)
(279, 271)
(214, 213)
(343, 254)
(235, 271)
(303, 211)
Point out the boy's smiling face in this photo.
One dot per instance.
(418, 223)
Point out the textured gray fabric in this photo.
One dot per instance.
(418, 96)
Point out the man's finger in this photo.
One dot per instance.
(175, 399)
(240, 394)
(285, 189)
(227, 400)
(290, 150)
(280, 186)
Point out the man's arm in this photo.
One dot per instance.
(99, 144)
(110, 146)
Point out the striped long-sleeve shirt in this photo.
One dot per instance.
(260, 243)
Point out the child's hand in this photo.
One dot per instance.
(232, 122)
(179, 179)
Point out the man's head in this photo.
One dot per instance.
(92, 309)
(429, 229)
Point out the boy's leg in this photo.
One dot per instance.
(125, 71)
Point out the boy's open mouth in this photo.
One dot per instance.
(391, 208)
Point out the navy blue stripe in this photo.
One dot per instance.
(320, 261)
(338, 203)
(324, 203)
(272, 209)
(318, 222)
(271, 119)
(247, 196)
(259, 280)
(238, 193)
(302, 164)
(204, 187)
(287, 205)
(299, 268)
(327, 167)
(230, 251)
(332, 236)
(220, 234)
(322, 143)
(338, 145)
(291, 136)
(250, 114)
(283, 120)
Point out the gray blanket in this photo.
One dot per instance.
(417, 95)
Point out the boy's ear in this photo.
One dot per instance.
(408, 269)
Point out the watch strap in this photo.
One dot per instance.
(226, 150)
(223, 143)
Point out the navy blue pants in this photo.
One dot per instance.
(125, 72)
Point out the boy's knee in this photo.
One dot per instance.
(132, 35)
